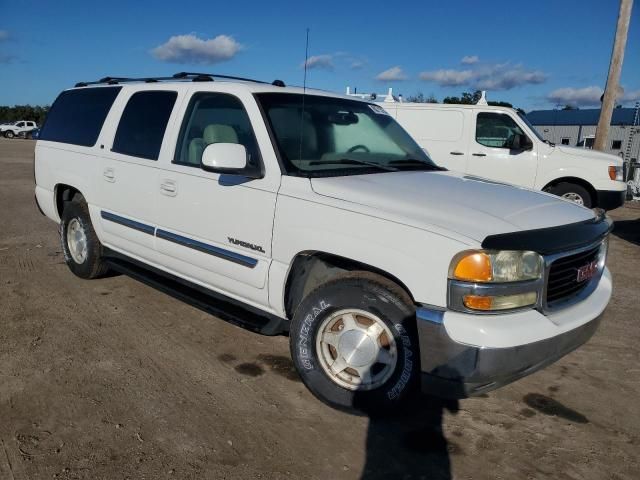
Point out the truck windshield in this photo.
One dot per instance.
(327, 136)
(524, 118)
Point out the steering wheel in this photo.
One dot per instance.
(358, 147)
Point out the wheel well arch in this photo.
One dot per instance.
(65, 193)
(577, 181)
(309, 269)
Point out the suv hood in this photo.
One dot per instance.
(590, 154)
(469, 206)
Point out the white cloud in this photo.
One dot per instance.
(631, 96)
(4, 35)
(448, 78)
(324, 61)
(577, 97)
(394, 74)
(191, 49)
(357, 64)
(469, 59)
(588, 96)
(503, 76)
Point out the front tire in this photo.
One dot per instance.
(353, 341)
(571, 191)
(80, 245)
(9, 134)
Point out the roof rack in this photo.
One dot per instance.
(194, 77)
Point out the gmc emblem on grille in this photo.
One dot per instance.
(587, 271)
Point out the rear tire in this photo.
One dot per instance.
(354, 343)
(80, 245)
(571, 191)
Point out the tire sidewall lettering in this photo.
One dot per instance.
(405, 377)
(305, 352)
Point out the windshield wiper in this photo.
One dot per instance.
(351, 161)
(550, 143)
(415, 162)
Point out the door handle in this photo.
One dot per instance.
(109, 174)
(169, 187)
(456, 153)
(479, 154)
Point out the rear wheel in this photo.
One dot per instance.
(571, 191)
(81, 247)
(354, 343)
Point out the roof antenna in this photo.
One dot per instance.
(304, 90)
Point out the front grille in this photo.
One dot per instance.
(563, 282)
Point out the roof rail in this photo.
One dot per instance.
(193, 76)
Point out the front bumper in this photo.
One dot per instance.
(610, 199)
(509, 349)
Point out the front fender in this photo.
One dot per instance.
(418, 258)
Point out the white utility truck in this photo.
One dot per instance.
(321, 217)
(499, 143)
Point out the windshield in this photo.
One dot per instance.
(524, 118)
(332, 136)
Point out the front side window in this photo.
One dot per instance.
(327, 136)
(143, 123)
(215, 118)
(77, 116)
(20, 124)
(496, 130)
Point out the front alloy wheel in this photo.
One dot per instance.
(356, 349)
(354, 343)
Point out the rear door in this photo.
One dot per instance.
(490, 155)
(129, 172)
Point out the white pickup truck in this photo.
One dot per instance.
(500, 144)
(15, 129)
(321, 217)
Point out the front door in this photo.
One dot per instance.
(491, 154)
(216, 229)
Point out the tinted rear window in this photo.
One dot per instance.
(143, 123)
(77, 116)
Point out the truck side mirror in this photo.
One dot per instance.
(227, 159)
(520, 142)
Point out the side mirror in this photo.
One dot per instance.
(226, 158)
(520, 142)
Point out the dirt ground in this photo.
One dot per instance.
(113, 379)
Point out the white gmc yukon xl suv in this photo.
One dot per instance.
(321, 215)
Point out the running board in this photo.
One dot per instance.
(228, 309)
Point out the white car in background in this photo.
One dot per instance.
(13, 130)
(499, 143)
(322, 215)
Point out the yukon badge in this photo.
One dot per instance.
(240, 243)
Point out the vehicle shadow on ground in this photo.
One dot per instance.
(628, 230)
(411, 445)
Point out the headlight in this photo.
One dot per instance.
(615, 173)
(496, 266)
(489, 281)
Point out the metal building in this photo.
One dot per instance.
(577, 128)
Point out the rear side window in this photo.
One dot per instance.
(77, 116)
(143, 124)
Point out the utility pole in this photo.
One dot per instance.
(613, 80)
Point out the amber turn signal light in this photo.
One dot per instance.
(474, 267)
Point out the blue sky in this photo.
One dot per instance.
(534, 55)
